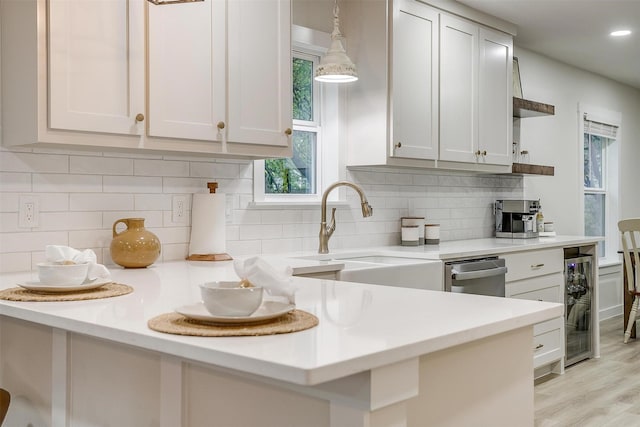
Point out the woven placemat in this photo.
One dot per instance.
(175, 323)
(107, 290)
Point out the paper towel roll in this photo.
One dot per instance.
(208, 234)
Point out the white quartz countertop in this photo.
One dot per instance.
(361, 326)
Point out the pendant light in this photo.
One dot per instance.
(335, 66)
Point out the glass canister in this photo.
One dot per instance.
(134, 247)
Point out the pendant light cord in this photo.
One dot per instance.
(336, 22)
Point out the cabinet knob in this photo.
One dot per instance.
(288, 131)
(139, 117)
(477, 153)
(220, 125)
(398, 145)
(484, 153)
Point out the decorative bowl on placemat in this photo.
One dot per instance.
(230, 298)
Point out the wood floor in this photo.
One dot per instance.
(596, 392)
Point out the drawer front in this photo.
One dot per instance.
(546, 288)
(549, 325)
(547, 348)
(523, 265)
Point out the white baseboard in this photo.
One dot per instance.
(609, 312)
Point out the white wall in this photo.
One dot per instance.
(555, 140)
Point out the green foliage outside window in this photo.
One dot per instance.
(296, 175)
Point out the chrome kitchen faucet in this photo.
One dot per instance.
(327, 230)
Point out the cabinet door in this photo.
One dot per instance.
(187, 70)
(96, 65)
(415, 81)
(259, 72)
(458, 89)
(495, 104)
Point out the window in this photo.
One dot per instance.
(600, 135)
(299, 174)
(314, 163)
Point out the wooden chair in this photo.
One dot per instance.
(5, 398)
(630, 235)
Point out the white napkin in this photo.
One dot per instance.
(261, 273)
(56, 253)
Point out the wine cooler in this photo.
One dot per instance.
(578, 299)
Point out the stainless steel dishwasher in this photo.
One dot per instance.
(483, 276)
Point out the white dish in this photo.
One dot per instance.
(268, 310)
(37, 286)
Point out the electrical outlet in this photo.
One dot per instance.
(29, 212)
(179, 209)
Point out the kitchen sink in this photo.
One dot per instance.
(389, 270)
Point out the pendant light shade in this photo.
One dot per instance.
(335, 66)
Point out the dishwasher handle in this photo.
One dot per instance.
(479, 274)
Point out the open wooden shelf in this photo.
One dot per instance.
(527, 108)
(527, 169)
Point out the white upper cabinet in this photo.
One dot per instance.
(434, 88)
(259, 54)
(96, 65)
(208, 77)
(415, 81)
(475, 93)
(458, 90)
(220, 71)
(187, 71)
(495, 102)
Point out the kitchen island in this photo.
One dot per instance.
(380, 356)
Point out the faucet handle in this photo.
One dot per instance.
(332, 224)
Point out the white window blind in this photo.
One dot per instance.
(599, 128)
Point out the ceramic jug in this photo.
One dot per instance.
(134, 247)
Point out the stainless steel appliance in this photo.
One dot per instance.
(578, 298)
(516, 219)
(484, 276)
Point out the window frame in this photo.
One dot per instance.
(610, 176)
(327, 102)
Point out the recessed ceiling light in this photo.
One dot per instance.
(620, 33)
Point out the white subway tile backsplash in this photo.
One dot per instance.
(260, 232)
(59, 183)
(14, 262)
(81, 194)
(215, 170)
(100, 165)
(31, 241)
(155, 202)
(50, 221)
(30, 162)
(132, 184)
(145, 167)
(101, 202)
(84, 239)
(13, 182)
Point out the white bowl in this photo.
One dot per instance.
(62, 274)
(229, 299)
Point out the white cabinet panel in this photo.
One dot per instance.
(458, 89)
(96, 65)
(187, 70)
(259, 55)
(495, 104)
(415, 81)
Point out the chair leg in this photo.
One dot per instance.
(632, 318)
